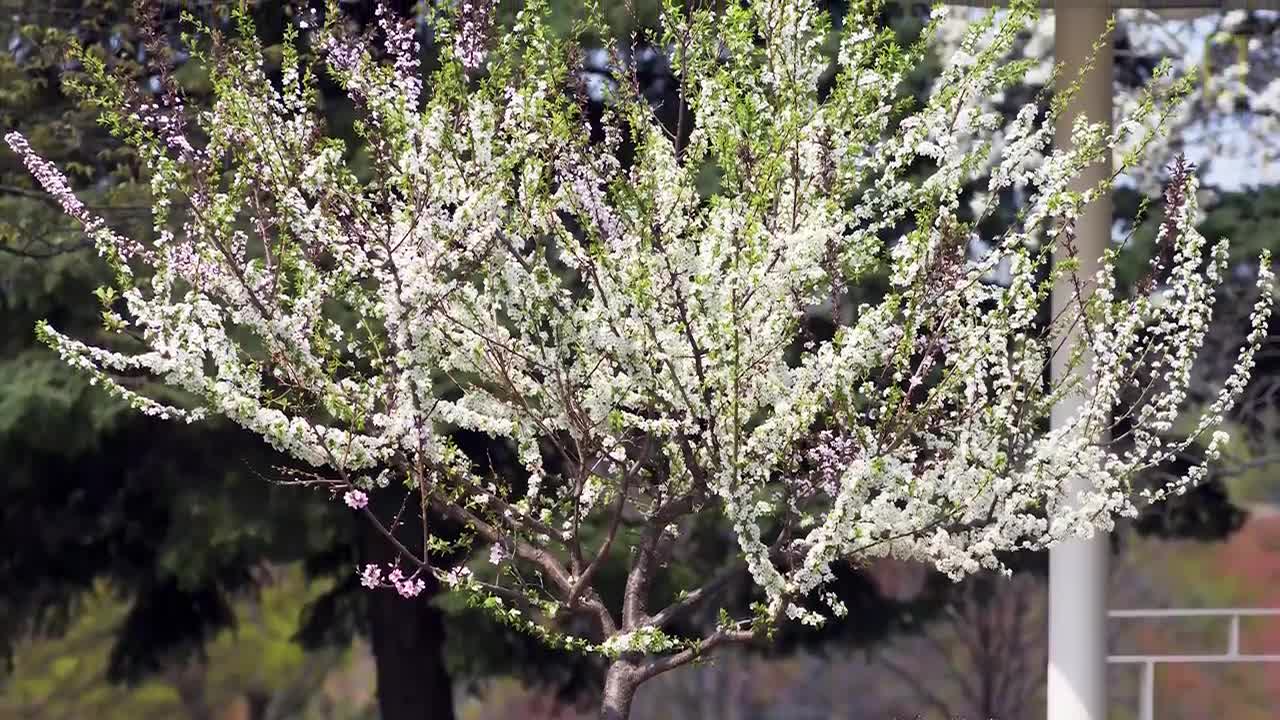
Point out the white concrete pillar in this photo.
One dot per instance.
(1077, 682)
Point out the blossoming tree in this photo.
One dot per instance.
(656, 355)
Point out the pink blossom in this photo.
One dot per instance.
(402, 45)
(411, 587)
(498, 554)
(591, 200)
(345, 57)
(408, 587)
(51, 179)
(356, 499)
(167, 122)
(829, 457)
(475, 19)
(55, 183)
(371, 576)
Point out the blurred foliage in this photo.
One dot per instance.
(255, 671)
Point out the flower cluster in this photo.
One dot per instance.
(410, 586)
(371, 576)
(646, 640)
(475, 20)
(355, 499)
(54, 182)
(652, 348)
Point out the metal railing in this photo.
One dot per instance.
(1146, 691)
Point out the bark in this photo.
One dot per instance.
(408, 644)
(620, 683)
(407, 636)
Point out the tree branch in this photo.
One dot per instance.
(688, 655)
(668, 614)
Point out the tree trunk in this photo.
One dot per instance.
(407, 636)
(408, 645)
(620, 684)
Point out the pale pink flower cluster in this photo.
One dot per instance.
(371, 576)
(343, 56)
(475, 20)
(498, 554)
(356, 499)
(410, 586)
(402, 45)
(830, 457)
(167, 122)
(54, 182)
(591, 200)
